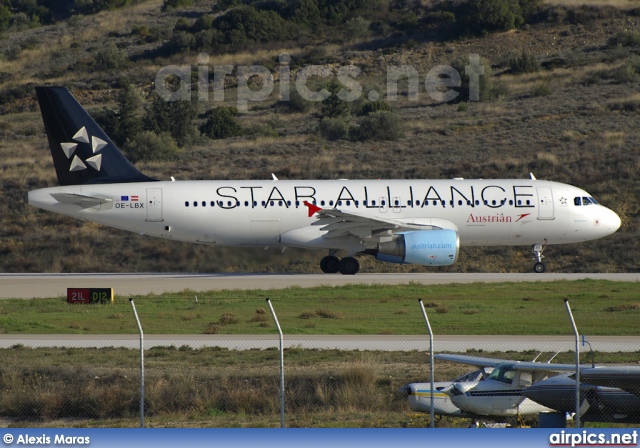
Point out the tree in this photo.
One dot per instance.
(125, 122)
(221, 123)
(175, 117)
(483, 16)
(5, 17)
(303, 12)
(129, 103)
(333, 106)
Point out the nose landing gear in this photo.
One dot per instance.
(537, 250)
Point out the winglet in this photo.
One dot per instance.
(312, 208)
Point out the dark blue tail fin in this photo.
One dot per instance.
(82, 152)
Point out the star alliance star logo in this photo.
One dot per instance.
(77, 164)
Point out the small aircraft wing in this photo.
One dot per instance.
(621, 377)
(339, 223)
(480, 361)
(477, 361)
(80, 200)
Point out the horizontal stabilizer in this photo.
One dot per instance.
(80, 200)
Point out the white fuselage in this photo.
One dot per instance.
(272, 213)
(493, 398)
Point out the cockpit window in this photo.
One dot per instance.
(577, 201)
(504, 374)
(593, 201)
(586, 201)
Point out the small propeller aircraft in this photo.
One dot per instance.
(500, 394)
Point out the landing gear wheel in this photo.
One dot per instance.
(539, 267)
(349, 266)
(537, 250)
(330, 264)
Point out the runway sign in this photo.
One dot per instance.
(90, 295)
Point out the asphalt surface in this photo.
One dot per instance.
(27, 286)
(456, 343)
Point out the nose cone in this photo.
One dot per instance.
(610, 221)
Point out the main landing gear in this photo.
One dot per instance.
(332, 264)
(539, 267)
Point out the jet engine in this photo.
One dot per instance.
(425, 247)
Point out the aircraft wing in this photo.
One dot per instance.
(621, 377)
(80, 200)
(480, 361)
(338, 223)
(477, 361)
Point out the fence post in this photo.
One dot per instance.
(275, 318)
(431, 367)
(141, 364)
(575, 331)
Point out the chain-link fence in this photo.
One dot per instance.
(330, 381)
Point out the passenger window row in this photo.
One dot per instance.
(396, 203)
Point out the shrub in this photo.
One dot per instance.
(245, 25)
(479, 17)
(221, 123)
(175, 117)
(149, 146)
(228, 319)
(485, 92)
(442, 309)
(626, 39)
(212, 328)
(302, 12)
(375, 106)
(524, 63)
(125, 122)
(109, 58)
(440, 17)
(624, 74)
(5, 17)
(357, 28)
(542, 89)
(329, 314)
(223, 5)
(168, 5)
(264, 130)
(296, 103)
(381, 125)
(333, 128)
(333, 106)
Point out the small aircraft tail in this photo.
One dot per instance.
(82, 152)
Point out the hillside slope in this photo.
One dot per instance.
(571, 118)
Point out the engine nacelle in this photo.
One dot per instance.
(424, 247)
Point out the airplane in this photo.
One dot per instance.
(419, 394)
(422, 222)
(611, 394)
(500, 394)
